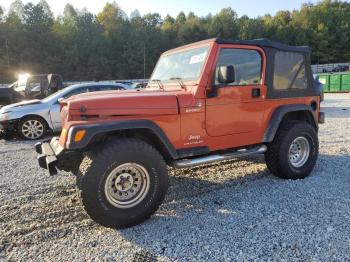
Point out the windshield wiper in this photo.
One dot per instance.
(159, 82)
(179, 81)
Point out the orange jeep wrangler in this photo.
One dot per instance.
(209, 101)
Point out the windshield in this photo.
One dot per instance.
(186, 65)
(33, 82)
(69, 91)
(57, 94)
(22, 80)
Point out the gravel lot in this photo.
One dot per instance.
(231, 211)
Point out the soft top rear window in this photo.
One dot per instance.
(289, 71)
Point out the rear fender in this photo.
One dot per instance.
(281, 112)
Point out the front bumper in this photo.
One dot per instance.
(8, 129)
(9, 125)
(49, 154)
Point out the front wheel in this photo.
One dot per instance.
(32, 128)
(123, 182)
(293, 152)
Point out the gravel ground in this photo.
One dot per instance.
(231, 211)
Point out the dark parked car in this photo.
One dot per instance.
(341, 68)
(29, 87)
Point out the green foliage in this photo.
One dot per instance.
(224, 24)
(1, 13)
(17, 7)
(110, 45)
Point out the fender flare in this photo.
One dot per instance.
(104, 128)
(278, 115)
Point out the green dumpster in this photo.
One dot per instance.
(345, 83)
(335, 82)
(324, 79)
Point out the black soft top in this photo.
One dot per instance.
(266, 43)
(281, 79)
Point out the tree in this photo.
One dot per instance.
(82, 46)
(3, 45)
(17, 7)
(46, 8)
(111, 18)
(168, 21)
(169, 31)
(36, 19)
(250, 28)
(1, 13)
(181, 19)
(135, 13)
(224, 24)
(38, 39)
(192, 30)
(152, 20)
(69, 12)
(12, 46)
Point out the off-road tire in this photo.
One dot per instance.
(277, 155)
(100, 163)
(32, 118)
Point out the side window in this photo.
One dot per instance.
(247, 65)
(79, 91)
(118, 88)
(108, 88)
(289, 71)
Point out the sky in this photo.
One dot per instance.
(252, 8)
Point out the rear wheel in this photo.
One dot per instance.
(32, 128)
(293, 152)
(123, 182)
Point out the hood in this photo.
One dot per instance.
(20, 104)
(126, 103)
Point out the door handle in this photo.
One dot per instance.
(256, 92)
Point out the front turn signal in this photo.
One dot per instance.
(79, 135)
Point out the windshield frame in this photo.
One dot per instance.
(178, 51)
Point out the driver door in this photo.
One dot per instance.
(237, 107)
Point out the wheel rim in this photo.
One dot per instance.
(127, 185)
(32, 129)
(299, 152)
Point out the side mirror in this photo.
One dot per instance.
(60, 100)
(226, 74)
